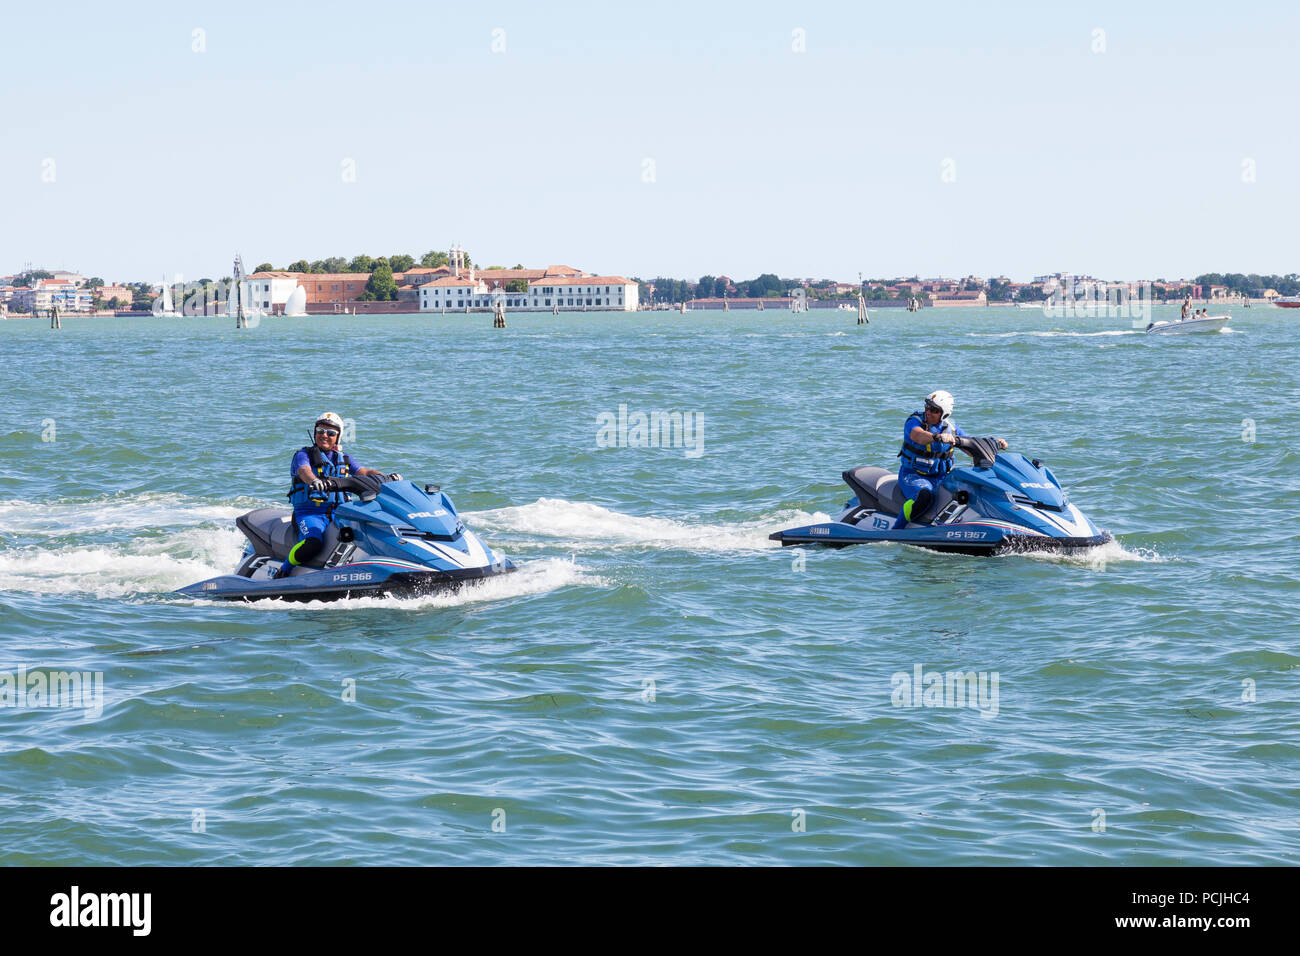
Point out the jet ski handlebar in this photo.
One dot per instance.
(983, 450)
(365, 486)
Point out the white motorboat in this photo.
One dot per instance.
(1205, 323)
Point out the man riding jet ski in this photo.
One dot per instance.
(928, 443)
(1003, 502)
(398, 538)
(312, 494)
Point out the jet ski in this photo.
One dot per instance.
(397, 539)
(1003, 502)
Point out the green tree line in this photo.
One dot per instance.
(1252, 285)
(765, 286)
(667, 289)
(432, 259)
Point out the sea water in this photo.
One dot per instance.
(659, 682)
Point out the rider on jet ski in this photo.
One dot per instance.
(928, 443)
(312, 495)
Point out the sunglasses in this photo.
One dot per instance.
(331, 432)
(934, 408)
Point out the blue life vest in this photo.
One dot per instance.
(319, 502)
(931, 461)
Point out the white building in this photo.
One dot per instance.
(53, 293)
(270, 291)
(454, 293)
(545, 292)
(584, 292)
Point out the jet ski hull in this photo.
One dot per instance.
(363, 579)
(953, 539)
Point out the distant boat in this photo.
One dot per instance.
(1288, 302)
(168, 310)
(1080, 308)
(297, 304)
(1205, 323)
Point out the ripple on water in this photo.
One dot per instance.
(658, 682)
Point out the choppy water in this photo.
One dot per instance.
(659, 682)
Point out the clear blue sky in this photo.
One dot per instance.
(1125, 163)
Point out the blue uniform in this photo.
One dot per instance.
(332, 465)
(311, 509)
(923, 466)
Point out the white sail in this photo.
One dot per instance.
(232, 301)
(162, 306)
(297, 304)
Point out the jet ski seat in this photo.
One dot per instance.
(272, 532)
(877, 490)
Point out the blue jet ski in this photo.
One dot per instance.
(397, 539)
(1003, 502)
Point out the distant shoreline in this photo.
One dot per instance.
(1079, 309)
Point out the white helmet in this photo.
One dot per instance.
(329, 418)
(941, 400)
